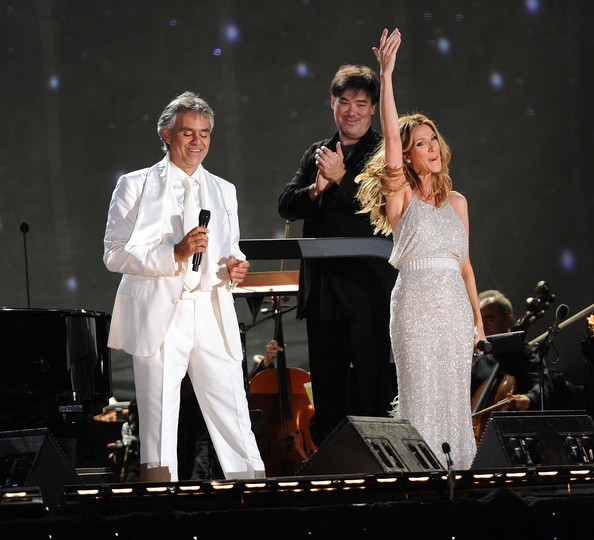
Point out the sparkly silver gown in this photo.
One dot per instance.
(432, 330)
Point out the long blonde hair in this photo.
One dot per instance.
(377, 178)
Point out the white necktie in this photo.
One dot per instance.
(192, 278)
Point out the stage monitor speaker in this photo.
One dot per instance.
(32, 457)
(535, 438)
(364, 444)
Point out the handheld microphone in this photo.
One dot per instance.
(203, 220)
(485, 346)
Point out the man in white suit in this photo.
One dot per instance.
(168, 323)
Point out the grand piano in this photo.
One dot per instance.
(55, 365)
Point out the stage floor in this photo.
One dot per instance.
(541, 502)
(372, 478)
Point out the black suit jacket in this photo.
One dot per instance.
(335, 289)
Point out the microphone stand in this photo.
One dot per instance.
(25, 229)
(446, 450)
(543, 351)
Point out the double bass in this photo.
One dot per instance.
(280, 392)
(491, 395)
(288, 414)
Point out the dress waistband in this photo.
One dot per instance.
(430, 262)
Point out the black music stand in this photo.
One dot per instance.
(506, 342)
(283, 283)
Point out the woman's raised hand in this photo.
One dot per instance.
(386, 53)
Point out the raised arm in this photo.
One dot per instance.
(395, 185)
(386, 56)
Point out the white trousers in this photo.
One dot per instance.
(195, 343)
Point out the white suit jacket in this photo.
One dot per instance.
(143, 225)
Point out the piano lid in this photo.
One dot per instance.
(54, 362)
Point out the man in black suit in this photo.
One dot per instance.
(345, 301)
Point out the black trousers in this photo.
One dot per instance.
(351, 372)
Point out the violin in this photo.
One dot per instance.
(491, 395)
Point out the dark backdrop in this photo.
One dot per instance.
(509, 83)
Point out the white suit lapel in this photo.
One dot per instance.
(148, 229)
(212, 199)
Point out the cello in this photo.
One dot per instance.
(280, 392)
(491, 395)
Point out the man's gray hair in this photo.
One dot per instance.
(187, 102)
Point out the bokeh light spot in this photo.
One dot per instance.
(568, 261)
(231, 33)
(496, 80)
(72, 284)
(302, 70)
(532, 6)
(443, 45)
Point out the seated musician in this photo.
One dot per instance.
(522, 364)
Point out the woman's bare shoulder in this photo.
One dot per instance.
(457, 200)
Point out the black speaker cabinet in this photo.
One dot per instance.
(535, 438)
(32, 457)
(364, 444)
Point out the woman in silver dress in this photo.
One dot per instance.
(435, 317)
